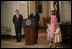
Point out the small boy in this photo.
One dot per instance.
(48, 36)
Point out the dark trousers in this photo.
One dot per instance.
(18, 36)
(18, 33)
(37, 33)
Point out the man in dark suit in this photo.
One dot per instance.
(17, 20)
(35, 16)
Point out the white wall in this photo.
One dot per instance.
(65, 11)
(22, 6)
(7, 11)
(51, 2)
(67, 5)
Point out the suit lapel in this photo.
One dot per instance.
(34, 15)
(16, 17)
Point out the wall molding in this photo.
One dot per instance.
(10, 36)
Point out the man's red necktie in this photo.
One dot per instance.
(17, 18)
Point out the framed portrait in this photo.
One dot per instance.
(38, 6)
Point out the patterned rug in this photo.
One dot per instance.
(11, 43)
(42, 42)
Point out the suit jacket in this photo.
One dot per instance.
(36, 17)
(19, 22)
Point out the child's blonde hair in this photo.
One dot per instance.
(57, 25)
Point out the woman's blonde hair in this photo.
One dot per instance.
(53, 12)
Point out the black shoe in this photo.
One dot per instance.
(36, 42)
(19, 41)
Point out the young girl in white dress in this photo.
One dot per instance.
(58, 36)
